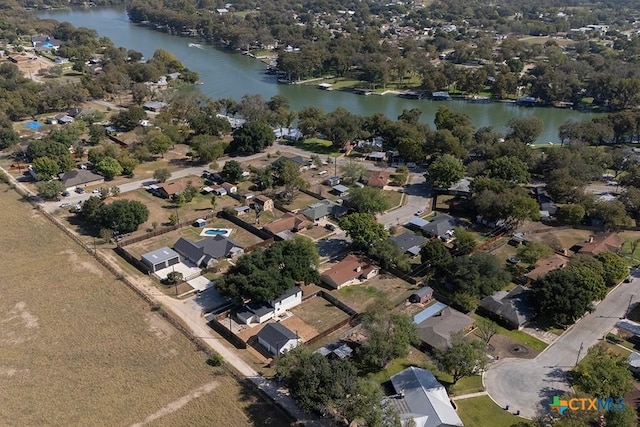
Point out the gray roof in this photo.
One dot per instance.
(212, 247)
(417, 223)
(408, 241)
(76, 177)
(423, 292)
(259, 308)
(155, 105)
(322, 209)
(276, 335)
(436, 331)
(634, 360)
(159, 255)
(340, 188)
(514, 307)
(440, 225)
(424, 396)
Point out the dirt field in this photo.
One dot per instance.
(387, 286)
(318, 313)
(79, 348)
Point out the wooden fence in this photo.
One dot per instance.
(164, 230)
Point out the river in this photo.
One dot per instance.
(230, 75)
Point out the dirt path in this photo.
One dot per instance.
(178, 404)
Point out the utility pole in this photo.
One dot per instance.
(579, 352)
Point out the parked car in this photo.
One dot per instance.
(65, 194)
(419, 213)
(64, 205)
(330, 227)
(79, 190)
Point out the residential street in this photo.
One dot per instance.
(525, 385)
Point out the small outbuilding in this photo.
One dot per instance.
(199, 222)
(422, 295)
(277, 338)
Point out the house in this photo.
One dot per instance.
(62, 119)
(605, 242)
(421, 400)
(546, 266)
(219, 191)
(323, 209)
(334, 180)
(440, 96)
(292, 134)
(378, 179)
(45, 42)
(264, 203)
(350, 271)
(290, 298)
(289, 222)
(512, 308)
(548, 207)
(160, 258)
(154, 106)
(376, 156)
(440, 324)
(168, 189)
(241, 210)
(298, 160)
(416, 224)
(421, 296)
(207, 251)
(340, 190)
(76, 178)
(634, 362)
(230, 188)
(260, 312)
(441, 226)
(277, 339)
(460, 188)
(408, 242)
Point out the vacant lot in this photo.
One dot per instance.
(384, 286)
(240, 235)
(79, 348)
(318, 313)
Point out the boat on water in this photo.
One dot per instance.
(199, 46)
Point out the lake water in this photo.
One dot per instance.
(230, 75)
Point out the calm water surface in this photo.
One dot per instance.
(229, 75)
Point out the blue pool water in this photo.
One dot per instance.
(33, 125)
(215, 232)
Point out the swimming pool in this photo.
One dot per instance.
(216, 232)
(33, 125)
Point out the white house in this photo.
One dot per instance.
(260, 312)
(231, 189)
(291, 298)
(277, 339)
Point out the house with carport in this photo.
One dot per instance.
(438, 323)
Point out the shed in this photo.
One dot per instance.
(421, 295)
(160, 258)
(340, 190)
(199, 222)
(332, 181)
(241, 210)
(277, 339)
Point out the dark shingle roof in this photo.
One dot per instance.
(214, 247)
(440, 225)
(276, 335)
(514, 307)
(407, 241)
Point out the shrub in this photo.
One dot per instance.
(215, 360)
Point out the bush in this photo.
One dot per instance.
(215, 360)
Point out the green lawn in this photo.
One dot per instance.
(518, 336)
(483, 412)
(318, 146)
(633, 256)
(395, 197)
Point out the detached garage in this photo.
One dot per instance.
(277, 339)
(160, 258)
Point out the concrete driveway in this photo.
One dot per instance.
(528, 385)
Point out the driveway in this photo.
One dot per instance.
(527, 385)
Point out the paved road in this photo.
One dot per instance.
(525, 385)
(417, 197)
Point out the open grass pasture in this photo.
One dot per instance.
(79, 348)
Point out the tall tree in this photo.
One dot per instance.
(603, 374)
(444, 171)
(368, 200)
(464, 357)
(252, 137)
(363, 229)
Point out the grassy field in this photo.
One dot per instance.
(319, 146)
(386, 286)
(483, 412)
(79, 348)
(319, 313)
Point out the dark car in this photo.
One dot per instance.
(79, 190)
(65, 194)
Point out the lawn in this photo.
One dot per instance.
(483, 412)
(517, 336)
(301, 201)
(319, 146)
(361, 296)
(86, 349)
(319, 313)
(395, 198)
(315, 233)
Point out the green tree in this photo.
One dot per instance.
(232, 171)
(253, 137)
(526, 129)
(363, 229)
(128, 163)
(615, 268)
(480, 274)
(572, 214)
(437, 255)
(341, 127)
(369, 200)
(510, 169)
(352, 172)
(129, 119)
(603, 373)
(465, 242)
(45, 168)
(174, 278)
(532, 251)
(288, 174)
(54, 150)
(157, 142)
(8, 137)
(109, 167)
(91, 210)
(206, 149)
(262, 177)
(444, 171)
(123, 216)
(162, 174)
(464, 357)
(612, 214)
(388, 254)
(389, 335)
(49, 189)
(625, 418)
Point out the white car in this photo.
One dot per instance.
(96, 191)
(419, 213)
(65, 205)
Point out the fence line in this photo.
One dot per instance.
(164, 230)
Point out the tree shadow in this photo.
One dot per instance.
(260, 409)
